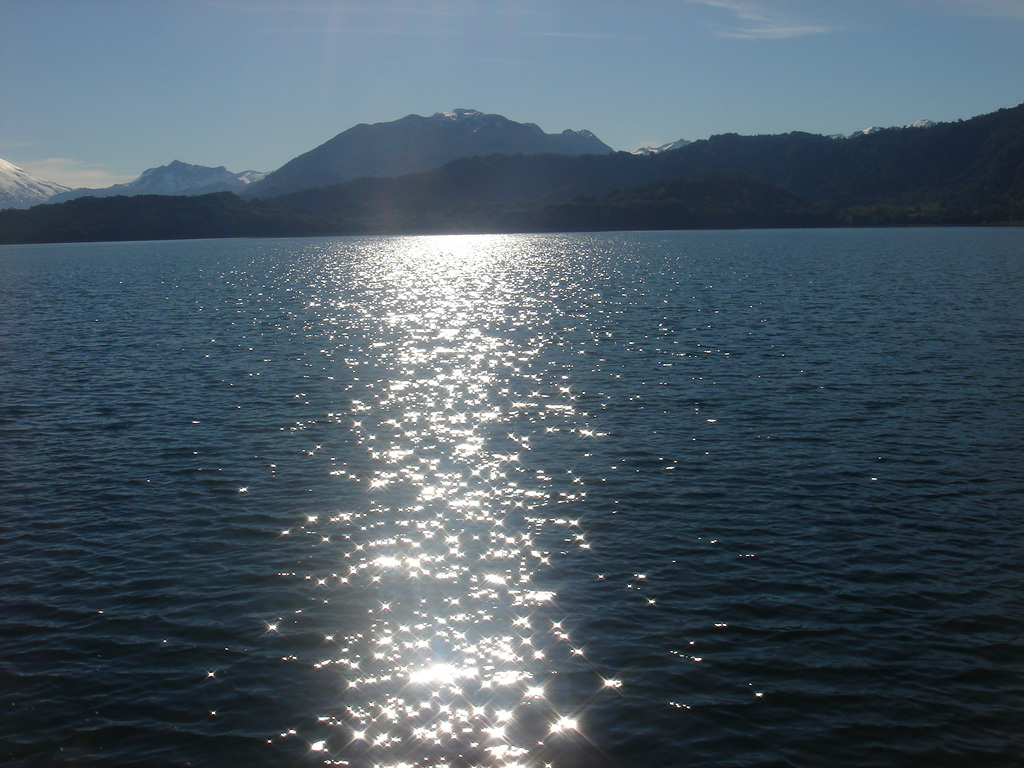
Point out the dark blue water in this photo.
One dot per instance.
(632, 500)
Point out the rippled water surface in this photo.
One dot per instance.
(627, 500)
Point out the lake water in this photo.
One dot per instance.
(628, 500)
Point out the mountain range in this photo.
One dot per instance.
(410, 145)
(176, 178)
(964, 172)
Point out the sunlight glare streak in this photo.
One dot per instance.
(450, 399)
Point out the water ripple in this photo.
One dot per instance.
(647, 499)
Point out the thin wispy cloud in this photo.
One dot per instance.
(757, 21)
(1013, 9)
(74, 173)
(332, 8)
(570, 35)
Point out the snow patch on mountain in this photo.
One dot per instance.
(652, 150)
(251, 177)
(878, 128)
(21, 189)
(459, 114)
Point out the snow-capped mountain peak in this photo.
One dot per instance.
(414, 144)
(867, 131)
(178, 178)
(21, 189)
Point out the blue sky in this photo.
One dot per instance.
(93, 92)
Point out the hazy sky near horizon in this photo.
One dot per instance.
(93, 92)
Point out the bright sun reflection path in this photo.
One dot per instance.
(465, 647)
